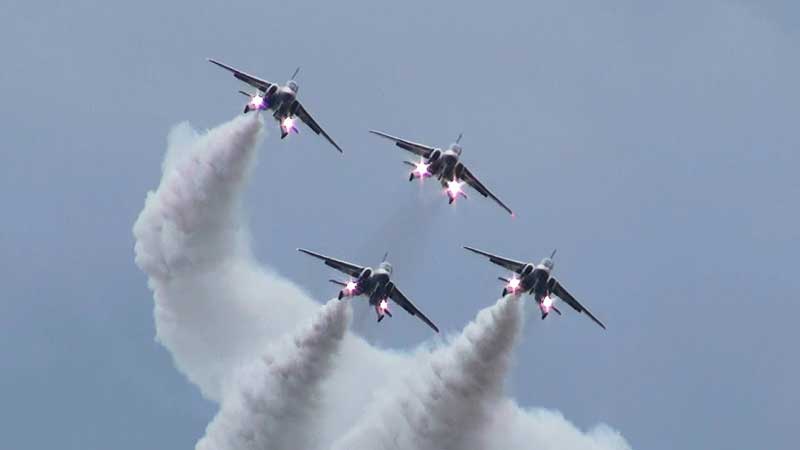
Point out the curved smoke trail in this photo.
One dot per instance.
(217, 310)
(215, 306)
(273, 402)
(448, 402)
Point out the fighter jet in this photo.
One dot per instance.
(538, 281)
(375, 283)
(444, 165)
(282, 100)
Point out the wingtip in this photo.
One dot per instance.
(379, 133)
(217, 63)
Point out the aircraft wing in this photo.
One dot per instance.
(562, 293)
(406, 304)
(342, 266)
(308, 120)
(256, 82)
(510, 264)
(418, 149)
(473, 181)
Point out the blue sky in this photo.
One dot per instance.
(654, 146)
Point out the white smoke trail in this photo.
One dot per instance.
(513, 427)
(217, 309)
(215, 306)
(273, 403)
(447, 403)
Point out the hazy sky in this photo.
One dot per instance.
(654, 145)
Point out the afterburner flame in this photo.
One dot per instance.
(350, 287)
(288, 124)
(454, 188)
(257, 102)
(547, 303)
(513, 284)
(383, 305)
(421, 170)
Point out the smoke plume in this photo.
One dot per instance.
(273, 403)
(221, 315)
(215, 306)
(447, 403)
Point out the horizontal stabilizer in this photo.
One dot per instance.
(410, 163)
(245, 94)
(338, 282)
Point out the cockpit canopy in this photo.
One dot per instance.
(386, 266)
(456, 148)
(547, 262)
(291, 84)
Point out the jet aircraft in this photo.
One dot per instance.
(375, 284)
(538, 281)
(281, 100)
(444, 165)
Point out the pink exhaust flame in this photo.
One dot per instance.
(350, 287)
(257, 102)
(288, 125)
(421, 170)
(383, 306)
(547, 304)
(513, 284)
(454, 189)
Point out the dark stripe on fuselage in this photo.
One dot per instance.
(536, 283)
(280, 102)
(376, 287)
(446, 167)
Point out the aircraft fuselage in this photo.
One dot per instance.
(377, 286)
(535, 280)
(278, 99)
(536, 283)
(446, 167)
(282, 102)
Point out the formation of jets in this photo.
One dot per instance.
(445, 165)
